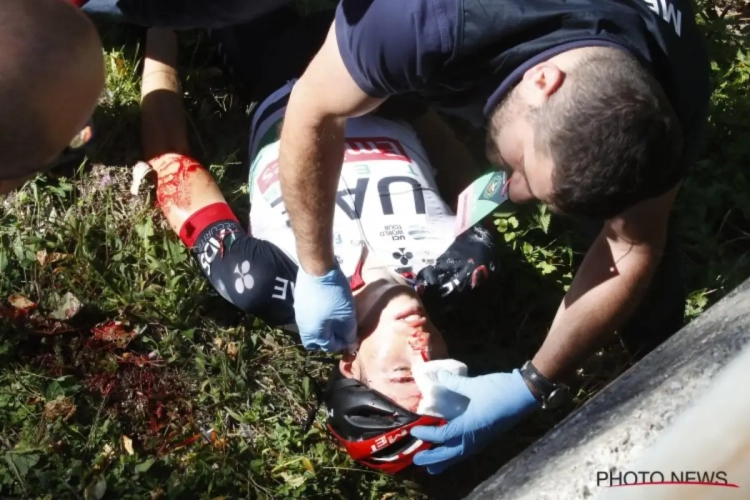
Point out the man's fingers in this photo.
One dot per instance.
(348, 333)
(437, 455)
(453, 382)
(441, 434)
(439, 468)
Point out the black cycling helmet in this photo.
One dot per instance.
(373, 429)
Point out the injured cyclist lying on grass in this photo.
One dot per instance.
(393, 238)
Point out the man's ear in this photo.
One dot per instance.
(540, 82)
(346, 365)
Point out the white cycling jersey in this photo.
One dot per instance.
(387, 197)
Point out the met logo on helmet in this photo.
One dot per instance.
(387, 439)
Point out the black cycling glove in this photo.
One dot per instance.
(466, 264)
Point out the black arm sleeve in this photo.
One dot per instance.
(254, 275)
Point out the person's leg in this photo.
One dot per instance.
(182, 14)
(661, 312)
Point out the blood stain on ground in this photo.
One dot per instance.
(150, 399)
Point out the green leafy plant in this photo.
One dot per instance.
(196, 400)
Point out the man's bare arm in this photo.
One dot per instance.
(164, 138)
(163, 123)
(312, 149)
(608, 287)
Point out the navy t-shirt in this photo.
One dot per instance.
(464, 55)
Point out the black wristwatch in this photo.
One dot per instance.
(550, 395)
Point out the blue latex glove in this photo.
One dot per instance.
(498, 402)
(324, 311)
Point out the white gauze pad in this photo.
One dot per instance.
(437, 401)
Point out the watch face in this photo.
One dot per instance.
(557, 398)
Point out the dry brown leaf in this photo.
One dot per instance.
(127, 443)
(62, 407)
(108, 452)
(118, 65)
(20, 302)
(67, 307)
(233, 348)
(114, 332)
(44, 258)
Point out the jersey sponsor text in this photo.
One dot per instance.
(373, 149)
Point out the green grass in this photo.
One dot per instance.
(70, 405)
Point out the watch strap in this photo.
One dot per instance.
(543, 388)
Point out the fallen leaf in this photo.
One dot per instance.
(233, 348)
(114, 332)
(127, 443)
(61, 407)
(145, 465)
(44, 258)
(140, 170)
(308, 465)
(108, 452)
(117, 64)
(67, 307)
(20, 302)
(95, 490)
(291, 480)
(157, 494)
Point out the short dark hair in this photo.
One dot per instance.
(612, 135)
(39, 42)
